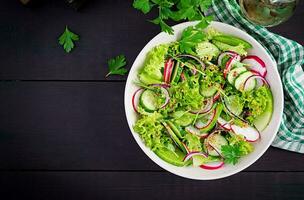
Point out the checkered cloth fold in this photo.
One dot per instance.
(289, 56)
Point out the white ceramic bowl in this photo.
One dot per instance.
(267, 135)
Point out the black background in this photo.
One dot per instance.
(63, 132)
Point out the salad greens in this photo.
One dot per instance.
(197, 103)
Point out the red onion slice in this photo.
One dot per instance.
(194, 153)
(208, 104)
(224, 124)
(200, 125)
(135, 99)
(194, 58)
(261, 81)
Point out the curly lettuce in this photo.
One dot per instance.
(154, 65)
(152, 132)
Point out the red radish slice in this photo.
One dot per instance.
(251, 134)
(256, 64)
(204, 135)
(168, 70)
(260, 81)
(229, 64)
(193, 130)
(224, 124)
(208, 104)
(200, 125)
(194, 153)
(216, 96)
(213, 165)
(183, 76)
(230, 53)
(135, 99)
(194, 58)
(237, 56)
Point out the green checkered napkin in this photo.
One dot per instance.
(289, 56)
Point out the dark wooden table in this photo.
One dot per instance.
(63, 131)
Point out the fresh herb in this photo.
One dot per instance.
(176, 10)
(67, 40)
(116, 65)
(237, 148)
(193, 35)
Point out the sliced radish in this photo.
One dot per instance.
(261, 81)
(230, 53)
(224, 124)
(194, 153)
(216, 96)
(135, 99)
(208, 104)
(237, 56)
(195, 58)
(229, 65)
(213, 165)
(200, 124)
(168, 70)
(255, 64)
(251, 134)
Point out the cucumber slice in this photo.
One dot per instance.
(233, 104)
(148, 100)
(241, 79)
(216, 141)
(262, 121)
(234, 73)
(173, 157)
(210, 91)
(176, 72)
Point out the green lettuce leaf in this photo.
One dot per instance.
(206, 50)
(154, 65)
(240, 49)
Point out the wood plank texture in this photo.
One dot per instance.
(157, 185)
(82, 126)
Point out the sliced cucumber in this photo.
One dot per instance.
(176, 72)
(148, 100)
(173, 157)
(210, 91)
(262, 121)
(233, 104)
(216, 141)
(241, 79)
(234, 73)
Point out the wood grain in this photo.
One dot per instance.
(156, 185)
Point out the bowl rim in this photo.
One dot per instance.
(147, 151)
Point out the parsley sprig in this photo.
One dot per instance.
(67, 40)
(176, 10)
(116, 65)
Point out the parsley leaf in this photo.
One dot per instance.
(190, 38)
(66, 40)
(176, 10)
(143, 5)
(232, 154)
(116, 65)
